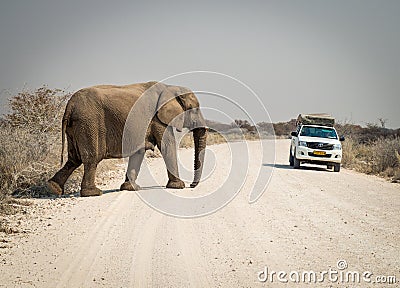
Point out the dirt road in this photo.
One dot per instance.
(307, 219)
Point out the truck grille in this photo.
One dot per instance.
(320, 145)
(322, 156)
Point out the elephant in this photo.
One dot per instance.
(107, 121)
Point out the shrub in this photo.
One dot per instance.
(385, 152)
(21, 158)
(29, 137)
(284, 128)
(38, 111)
(379, 157)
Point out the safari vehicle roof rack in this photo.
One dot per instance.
(315, 119)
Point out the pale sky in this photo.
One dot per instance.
(340, 57)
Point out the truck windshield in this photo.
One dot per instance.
(321, 132)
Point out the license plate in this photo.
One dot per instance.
(319, 153)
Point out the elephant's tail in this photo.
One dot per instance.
(65, 121)
(63, 127)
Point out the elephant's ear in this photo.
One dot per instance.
(169, 111)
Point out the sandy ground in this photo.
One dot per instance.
(307, 219)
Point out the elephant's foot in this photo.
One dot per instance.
(128, 186)
(194, 184)
(149, 146)
(54, 188)
(86, 192)
(176, 184)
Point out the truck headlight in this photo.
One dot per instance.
(337, 147)
(303, 143)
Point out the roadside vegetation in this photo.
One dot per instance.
(372, 149)
(29, 150)
(29, 138)
(236, 131)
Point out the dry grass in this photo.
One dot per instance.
(380, 157)
(153, 154)
(25, 161)
(214, 138)
(30, 146)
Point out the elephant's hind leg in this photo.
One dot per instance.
(56, 183)
(88, 187)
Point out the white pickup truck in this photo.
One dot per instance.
(316, 141)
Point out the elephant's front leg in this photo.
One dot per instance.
(135, 161)
(88, 187)
(169, 152)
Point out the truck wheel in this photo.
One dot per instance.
(336, 167)
(291, 160)
(296, 162)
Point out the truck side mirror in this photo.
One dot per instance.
(341, 138)
(294, 133)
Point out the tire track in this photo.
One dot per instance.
(140, 272)
(77, 271)
(118, 247)
(195, 264)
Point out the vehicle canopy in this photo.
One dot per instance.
(315, 119)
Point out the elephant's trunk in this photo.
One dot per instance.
(200, 138)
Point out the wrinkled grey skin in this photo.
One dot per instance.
(106, 121)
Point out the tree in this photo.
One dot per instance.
(244, 124)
